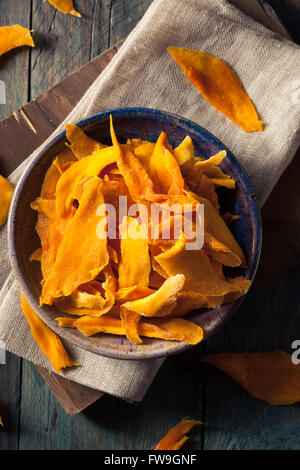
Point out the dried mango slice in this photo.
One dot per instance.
(81, 254)
(6, 192)
(269, 376)
(14, 36)
(214, 224)
(132, 293)
(134, 266)
(69, 186)
(65, 6)
(172, 329)
(36, 255)
(219, 85)
(47, 340)
(175, 438)
(160, 303)
(136, 178)
(130, 323)
(185, 151)
(81, 144)
(196, 267)
(164, 169)
(220, 252)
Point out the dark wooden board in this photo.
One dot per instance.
(108, 422)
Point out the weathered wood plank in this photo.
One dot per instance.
(111, 423)
(269, 319)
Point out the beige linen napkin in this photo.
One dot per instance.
(143, 74)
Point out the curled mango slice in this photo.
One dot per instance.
(81, 144)
(6, 192)
(269, 376)
(65, 6)
(14, 36)
(219, 85)
(47, 340)
(172, 329)
(176, 437)
(160, 303)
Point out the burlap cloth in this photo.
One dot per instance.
(143, 74)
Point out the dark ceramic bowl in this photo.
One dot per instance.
(145, 124)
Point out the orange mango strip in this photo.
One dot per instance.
(176, 437)
(161, 302)
(172, 329)
(65, 6)
(14, 36)
(70, 185)
(219, 85)
(196, 267)
(81, 254)
(6, 192)
(134, 268)
(46, 339)
(81, 145)
(269, 376)
(164, 169)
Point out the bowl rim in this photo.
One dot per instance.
(174, 347)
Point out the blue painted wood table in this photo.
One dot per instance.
(269, 317)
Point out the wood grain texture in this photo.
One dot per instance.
(269, 319)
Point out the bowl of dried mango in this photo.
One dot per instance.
(134, 234)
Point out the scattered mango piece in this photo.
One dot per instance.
(14, 36)
(269, 376)
(6, 192)
(219, 85)
(47, 340)
(176, 437)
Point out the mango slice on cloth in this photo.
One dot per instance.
(65, 6)
(81, 144)
(46, 339)
(176, 437)
(172, 329)
(6, 192)
(219, 85)
(81, 254)
(134, 266)
(14, 36)
(269, 376)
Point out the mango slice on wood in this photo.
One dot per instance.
(172, 329)
(219, 85)
(269, 376)
(65, 6)
(176, 437)
(6, 192)
(46, 339)
(14, 36)
(135, 266)
(81, 144)
(81, 254)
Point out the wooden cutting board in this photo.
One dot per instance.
(26, 129)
